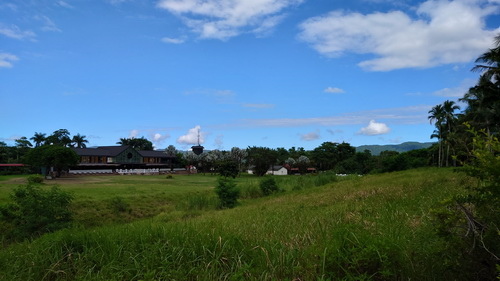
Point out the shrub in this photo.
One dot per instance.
(268, 186)
(35, 211)
(227, 192)
(35, 179)
(228, 169)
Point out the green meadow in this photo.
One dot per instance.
(320, 227)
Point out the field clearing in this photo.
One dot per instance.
(376, 227)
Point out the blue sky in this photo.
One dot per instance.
(274, 73)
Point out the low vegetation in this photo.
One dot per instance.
(377, 227)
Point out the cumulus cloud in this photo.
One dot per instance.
(13, 31)
(310, 136)
(223, 19)
(192, 136)
(6, 59)
(159, 138)
(333, 90)
(441, 32)
(374, 128)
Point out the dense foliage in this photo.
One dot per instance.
(35, 211)
(228, 192)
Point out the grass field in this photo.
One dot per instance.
(376, 227)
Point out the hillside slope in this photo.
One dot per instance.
(376, 227)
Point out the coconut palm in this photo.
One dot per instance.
(489, 62)
(450, 118)
(38, 139)
(79, 141)
(436, 116)
(483, 105)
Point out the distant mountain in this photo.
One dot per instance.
(405, 146)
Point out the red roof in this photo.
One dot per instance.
(11, 165)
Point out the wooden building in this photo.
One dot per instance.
(121, 157)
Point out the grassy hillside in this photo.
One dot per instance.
(376, 227)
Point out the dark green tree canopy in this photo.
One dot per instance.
(46, 156)
(329, 154)
(262, 158)
(137, 143)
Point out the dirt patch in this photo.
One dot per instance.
(15, 181)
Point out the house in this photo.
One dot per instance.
(274, 170)
(120, 157)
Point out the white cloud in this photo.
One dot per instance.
(133, 134)
(65, 4)
(223, 19)
(159, 138)
(192, 137)
(401, 115)
(333, 90)
(6, 59)
(442, 32)
(310, 136)
(47, 23)
(374, 128)
(13, 31)
(172, 40)
(456, 92)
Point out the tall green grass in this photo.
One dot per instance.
(377, 227)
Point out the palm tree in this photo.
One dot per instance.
(489, 62)
(79, 141)
(436, 115)
(38, 139)
(482, 105)
(450, 118)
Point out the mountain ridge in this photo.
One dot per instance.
(375, 149)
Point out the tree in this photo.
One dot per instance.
(238, 155)
(489, 62)
(436, 115)
(450, 118)
(38, 139)
(329, 154)
(22, 147)
(171, 152)
(52, 156)
(262, 158)
(228, 168)
(79, 141)
(137, 143)
(59, 137)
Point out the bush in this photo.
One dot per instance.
(227, 192)
(268, 186)
(35, 179)
(35, 211)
